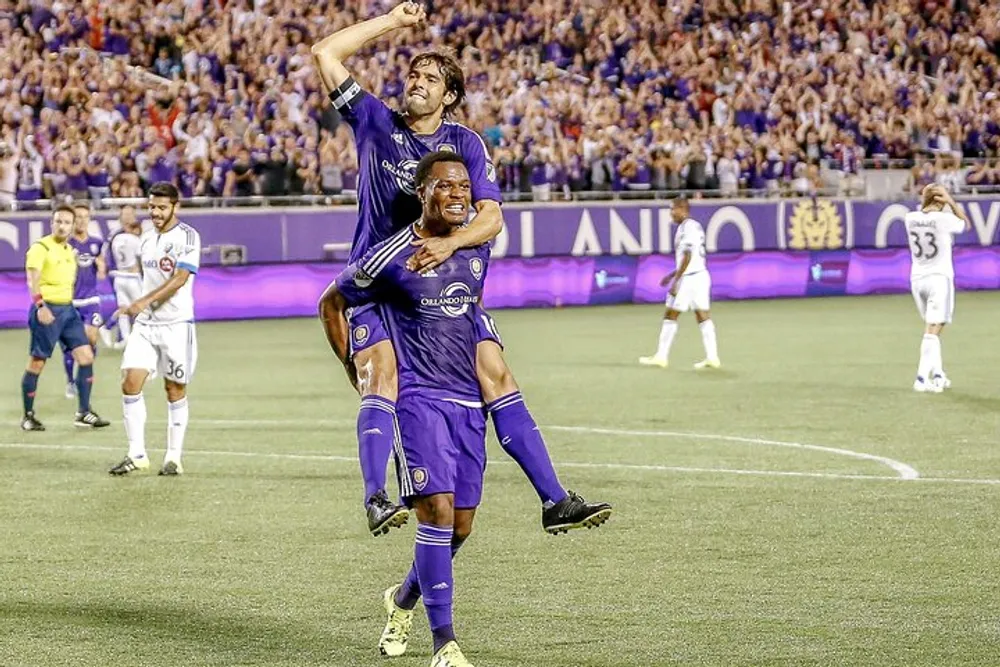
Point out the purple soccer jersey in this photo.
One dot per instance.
(431, 317)
(87, 252)
(388, 153)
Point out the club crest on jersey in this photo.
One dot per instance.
(362, 279)
(167, 248)
(420, 478)
(447, 147)
(361, 335)
(476, 266)
(166, 265)
(398, 138)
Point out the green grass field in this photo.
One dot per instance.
(740, 537)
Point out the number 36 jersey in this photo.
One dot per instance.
(930, 237)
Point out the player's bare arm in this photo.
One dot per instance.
(102, 266)
(44, 315)
(330, 53)
(157, 296)
(437, 249)
(675, 277)
(333, 315)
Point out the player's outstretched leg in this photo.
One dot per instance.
(521, 438)
(378, 433)
(707, 328)
(668, 330)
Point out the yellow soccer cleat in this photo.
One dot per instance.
(653, 361)
(450, 656)
(392, 643)
(707, 363)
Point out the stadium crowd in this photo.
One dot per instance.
(571, 95)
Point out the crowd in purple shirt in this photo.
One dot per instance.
(729, 95)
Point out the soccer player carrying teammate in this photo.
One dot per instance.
(434, 325)
(163, 337)
(690, 288)
(51, 268)
(390, 144)
(90, 268)
(932, 277)
(125, 270)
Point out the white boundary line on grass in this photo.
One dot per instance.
(903, 470)
(563, 464)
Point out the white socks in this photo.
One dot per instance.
(667, 333)
(177, 421)
(134, 413)
(708, 339)
(931, 363)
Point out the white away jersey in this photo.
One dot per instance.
(930, 237)
(161, 255)
(125, 251)
(690, 237)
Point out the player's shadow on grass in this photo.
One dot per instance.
(239, 640)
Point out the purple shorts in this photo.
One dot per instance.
(91, 315)
(368, 329)
(443, 450)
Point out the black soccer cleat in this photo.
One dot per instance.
(129, 465)
(89, 419)
(29, 423)
(170, 468)
(574, 512)
(383, 514)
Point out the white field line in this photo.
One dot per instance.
(310, 456)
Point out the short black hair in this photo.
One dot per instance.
(80, 204)
(428, 161)
(165, 189)
(63, 208)
(454, 77)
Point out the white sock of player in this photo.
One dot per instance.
(177, 422)
(708, 339)
(930, 349)
(134, 416)
(937, 362)
(667, 333)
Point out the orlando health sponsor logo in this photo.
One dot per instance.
(453, 301)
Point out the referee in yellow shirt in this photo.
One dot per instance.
(51, 268)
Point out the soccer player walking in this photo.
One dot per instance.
(163, 337)
(51, 267)
(932, 278)
(690, 289)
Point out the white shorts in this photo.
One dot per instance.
(128, 290)
(170, 350)
(935, 298)
(693, 293)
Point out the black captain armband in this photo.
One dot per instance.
(346, 94)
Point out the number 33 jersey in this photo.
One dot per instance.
(161, 256)
(930, 237)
